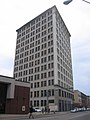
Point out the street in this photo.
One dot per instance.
(69, 116)
(57, 116)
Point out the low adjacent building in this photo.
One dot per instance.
(81, 99)
(77, 98)
(14, 96)
(88, 101)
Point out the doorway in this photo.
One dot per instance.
(3, 93)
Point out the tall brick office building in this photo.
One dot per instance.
(43, 57)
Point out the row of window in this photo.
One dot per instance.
(63, 61)
(35, 30)
(36, 69)
(50, 92)
(63, 55)
(37, 20)
(38, 48)
(62, 70)
(49, 37)
(36, 103)
(63, 36)
(37, 55)
(63, 45)
(36, 77)
(65, 65)
(43, 93)
(42, 83)
(36, 62)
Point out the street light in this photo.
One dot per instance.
(69, 1)
(86, 1)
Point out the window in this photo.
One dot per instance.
(37, 93)
(34, 103)
(43, 39)
(50, 24)
(41, 75)
(45, 59)
(50, 29)
(50, 73)
(41, 83)
(48, 58)
(52, 92)
(32, 22)
(49, 12)
(48, 43)
(25, 79)
(43, 16)
(37, 25)
(26, 53)
(25, 65)
(45, 83)
(38, 19)
(41, 102)
(45, 67)
(41, 93)
(31, 85)
(31, 71)
(48, 82)
(31, 94)
(44, 27)
(35, 85)
(30, 78)
(52, 65)
(45, 93)
(43, 21)
(58, 74)
(37, 69)
(37, 36)
(25, 72)
(51, 49)
(44, 33)
(48, 50)
(52, 81)
(37, 102)
(49, 66)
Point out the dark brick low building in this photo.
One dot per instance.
(14, 96)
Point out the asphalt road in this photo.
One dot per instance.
(83, 117)
(69, 116)
(58, 116)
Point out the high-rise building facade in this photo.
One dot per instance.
(43, 58)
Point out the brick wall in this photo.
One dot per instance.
(20, 103)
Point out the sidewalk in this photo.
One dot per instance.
(7, 116)
(36, 114)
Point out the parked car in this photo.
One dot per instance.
(78, 109)
(37, 110)
(88, 109)
(73, 111)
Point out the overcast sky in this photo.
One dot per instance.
(15, 13)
